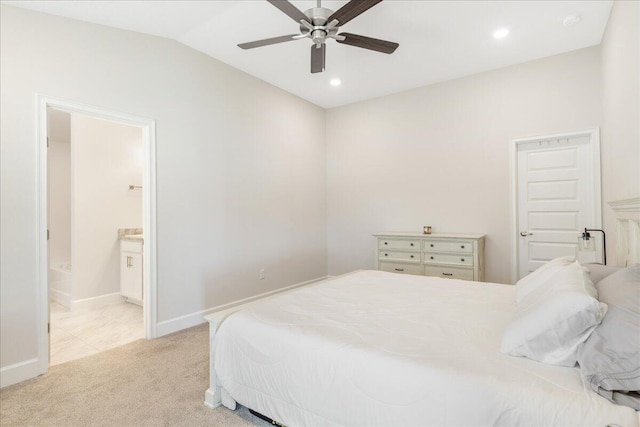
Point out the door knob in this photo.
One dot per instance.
(526, 233)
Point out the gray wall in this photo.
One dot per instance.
(59, 175)
(621, 111)
(439, 155)
(240, 165)
(106, 160)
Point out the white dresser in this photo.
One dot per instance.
(447, 255)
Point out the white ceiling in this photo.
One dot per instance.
(439, 40)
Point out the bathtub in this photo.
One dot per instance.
(60, 282)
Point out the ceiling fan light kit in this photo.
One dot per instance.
(320, 24)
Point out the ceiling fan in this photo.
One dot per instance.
(320, 24)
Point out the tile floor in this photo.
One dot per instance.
(81, 333)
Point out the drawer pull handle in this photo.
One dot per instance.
(431, 245)
(386, 254)
(399, 269)
(462, 259)
(447, 274)
(385, 243)
(462, 246)
(411, 256)
(431, 257)
(412, 244)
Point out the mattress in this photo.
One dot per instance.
(382, 349)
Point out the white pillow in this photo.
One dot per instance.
(544, 273)
(556, 310)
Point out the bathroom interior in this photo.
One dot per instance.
(95, 222)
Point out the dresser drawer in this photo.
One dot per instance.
(398, 267)
(458, 259)
(448, 246)
(404, 244)
(400, 256)
(449, 272)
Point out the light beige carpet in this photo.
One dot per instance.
(158, 382)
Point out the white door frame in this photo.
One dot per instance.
(594, 140)
(148, 127)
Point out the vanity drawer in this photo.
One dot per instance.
(404, 244)
(458, 259)
(448, 246)
(398, 267)
(399, 256)
(129, 246)
(449, 272)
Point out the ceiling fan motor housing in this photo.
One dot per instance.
(318, 18)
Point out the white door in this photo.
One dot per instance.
(558, 182)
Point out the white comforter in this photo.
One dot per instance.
(376, 348)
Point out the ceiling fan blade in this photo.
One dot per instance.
(368, 43)
(352, 9)
(293, 12)
(266, 42)
(318, 58)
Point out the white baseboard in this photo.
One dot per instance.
(18, 372)
(97, 302)
(60, 297)
(187, 321)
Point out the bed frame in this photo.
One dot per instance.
(213, 395)
(627, 214)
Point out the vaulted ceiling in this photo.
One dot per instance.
(439, 40)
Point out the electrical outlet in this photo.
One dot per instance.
(261, 274)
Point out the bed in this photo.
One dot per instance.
(381, 349)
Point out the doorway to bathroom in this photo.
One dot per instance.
(97, 221)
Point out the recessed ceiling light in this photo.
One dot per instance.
(572, 20)
(501, 33)
(335, 82)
